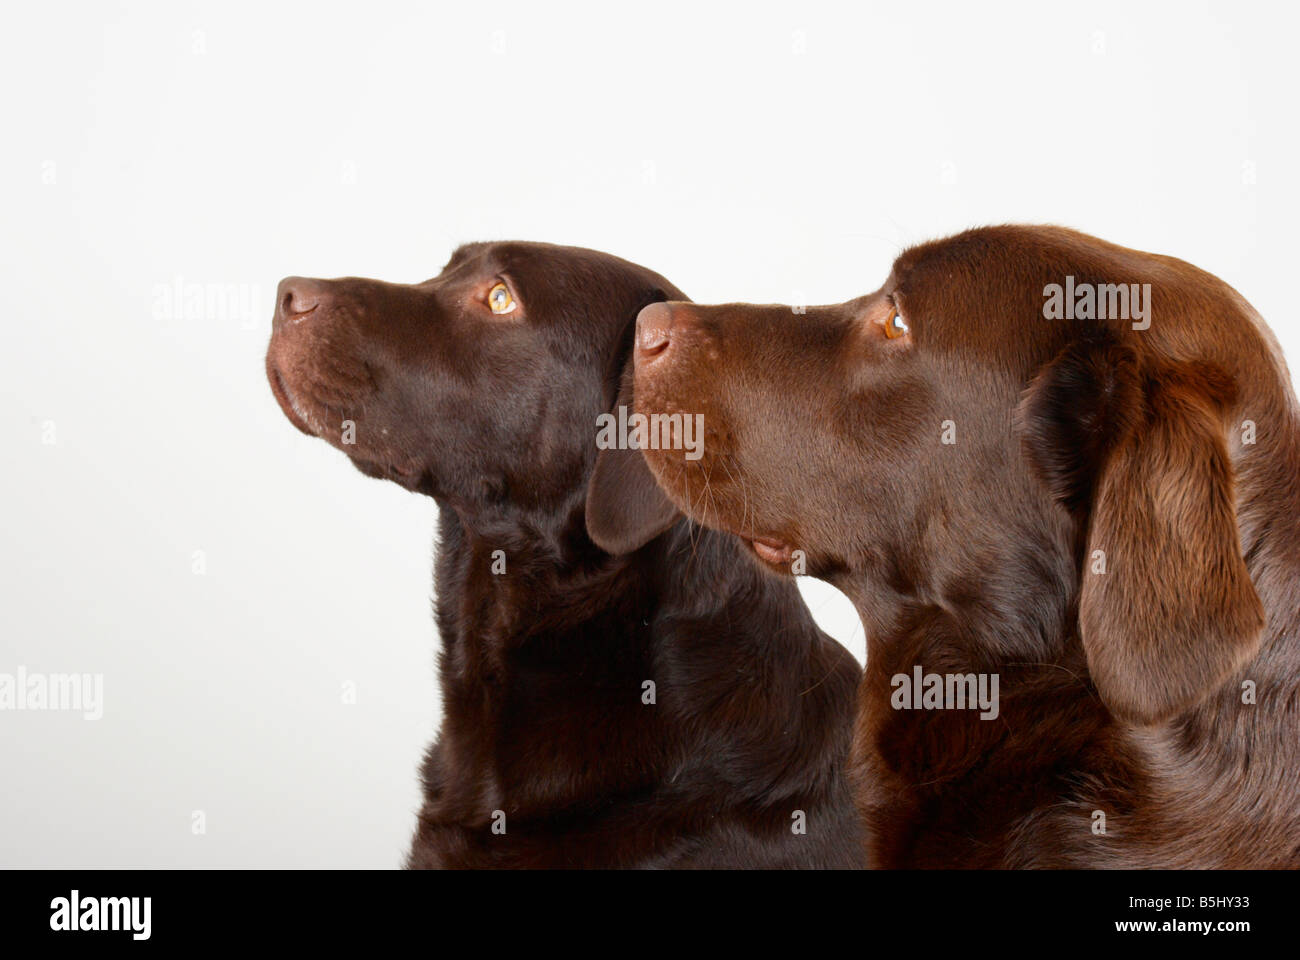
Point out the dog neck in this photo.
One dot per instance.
(923, 767)
(563, 651)
(972, 660)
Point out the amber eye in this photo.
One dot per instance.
(895, 325)
(499, 299)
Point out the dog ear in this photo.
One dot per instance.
(625, 507)
(1167, 610)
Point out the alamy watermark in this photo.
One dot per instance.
(75, 913)
(1098, 301)
(216, 302)
(656, 431)
(948, 691)
(23, 690)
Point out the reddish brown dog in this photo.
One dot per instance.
(1035, 459)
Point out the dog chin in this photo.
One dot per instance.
(289, 405)
(413, 478)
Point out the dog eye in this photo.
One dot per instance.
(499, 299)
(895, 325)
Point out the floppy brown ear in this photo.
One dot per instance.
(625, 507)
(1140, 453)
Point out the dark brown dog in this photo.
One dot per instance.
(673, 705)
(1096, 503)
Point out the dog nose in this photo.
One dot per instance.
(296, 297)
(654, 327)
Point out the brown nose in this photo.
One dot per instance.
(296, 297)
(654, 328)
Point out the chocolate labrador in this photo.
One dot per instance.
(1060, 481)
(664, 702)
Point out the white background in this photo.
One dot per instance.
(761, 152)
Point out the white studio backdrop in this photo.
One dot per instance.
(166, 527)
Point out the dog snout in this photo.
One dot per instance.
(296, 298)
(654, 330)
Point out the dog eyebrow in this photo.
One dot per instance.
(462, 253)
